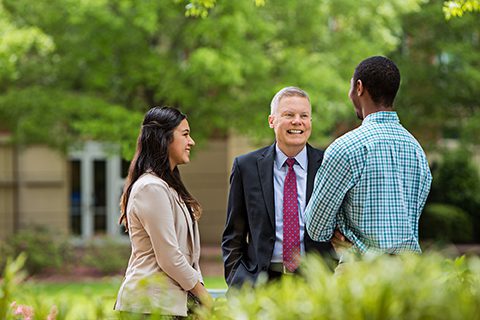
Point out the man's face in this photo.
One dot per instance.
(292, 123)
(352, 94)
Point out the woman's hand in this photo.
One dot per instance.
(201, 293)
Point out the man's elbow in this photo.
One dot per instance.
(319, 235)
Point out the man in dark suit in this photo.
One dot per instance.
(269, 190)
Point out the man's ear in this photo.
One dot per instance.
(359, 88)
(270, 121)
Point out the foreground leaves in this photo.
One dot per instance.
(408, 287)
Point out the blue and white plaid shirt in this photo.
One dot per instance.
(372, 184)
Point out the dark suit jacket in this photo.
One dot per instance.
(249, 234)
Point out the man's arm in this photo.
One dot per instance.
(236, 227)
(425, 185)
(332, 182)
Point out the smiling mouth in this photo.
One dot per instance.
(294, 131)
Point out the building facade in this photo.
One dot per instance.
(79, 193)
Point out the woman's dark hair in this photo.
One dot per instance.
(381, 77)
(151, 155)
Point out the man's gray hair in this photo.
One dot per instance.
(286, 92)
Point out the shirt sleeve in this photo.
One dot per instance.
(332, 182)
(155, 212)
(425, 184)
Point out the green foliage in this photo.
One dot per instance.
(456, 181)
(20, 47)
(62, 119)
(37, 308)
(425, 286)
(407, 287)
(222, 71)
(445, 224)
(44, 249)
(107, 255)
(12, 275)
(84, 299)
(470, 132)
(74, 300)
(459, 7)
(200, 8)
(438, 60)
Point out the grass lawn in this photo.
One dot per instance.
(91, 299)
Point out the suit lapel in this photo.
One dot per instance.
(265, 172)
(314, 160)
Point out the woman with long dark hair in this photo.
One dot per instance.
(161, 216)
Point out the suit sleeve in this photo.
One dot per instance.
(236, 226)
(154, 210)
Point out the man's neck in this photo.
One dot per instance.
(373, 109)
(292, 151)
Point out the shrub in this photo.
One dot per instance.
(403, 287)
(445, 223)
(387, 287)
(457, 182)
(12, 275)
(107, 255)
(44, 248)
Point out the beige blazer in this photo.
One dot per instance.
(165, 244)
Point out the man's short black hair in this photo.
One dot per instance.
(380, 77)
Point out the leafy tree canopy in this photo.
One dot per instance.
(64, 119)
(440, 69)
(222, 70)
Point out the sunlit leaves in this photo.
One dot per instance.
(458, 8)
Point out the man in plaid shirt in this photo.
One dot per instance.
(374, 180)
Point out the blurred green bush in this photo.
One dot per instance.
(11, 275)
(106, 254)
(47, 251)
(408, 287)
(44, 248)
(445, 224)
(456, 182)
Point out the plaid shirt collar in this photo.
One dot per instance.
(381, 117)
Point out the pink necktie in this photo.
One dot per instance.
(291, 225)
